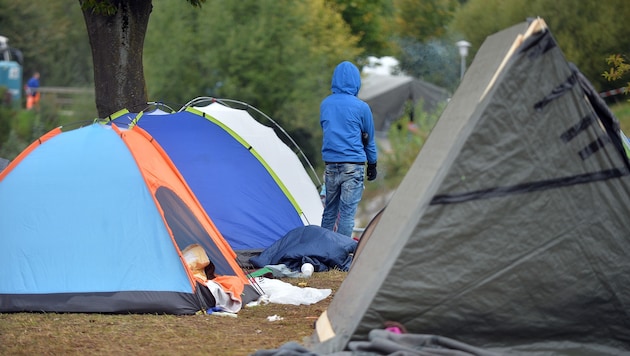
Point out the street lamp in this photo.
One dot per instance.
(463, 52)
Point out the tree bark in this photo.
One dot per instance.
(117, 42)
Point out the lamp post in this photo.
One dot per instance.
(463, 53)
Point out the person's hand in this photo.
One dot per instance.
(371, 171)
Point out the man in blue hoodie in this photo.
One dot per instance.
(348, 143)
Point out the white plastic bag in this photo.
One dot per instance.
(280, 292)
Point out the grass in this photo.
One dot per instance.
(622, 112)
(135, 334)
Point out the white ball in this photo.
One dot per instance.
(307, 269)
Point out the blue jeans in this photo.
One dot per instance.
(344, 188)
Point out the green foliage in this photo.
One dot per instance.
(21, 127)
(586, 31)
(48, 117)
(83, 108)
(103, 7)
(52, 39)
(369, 20)
(405, 138)
(12, 146)
(276, 55)
(6, 114)
(109, 7)
(425, 49)
(618, 68)
(424, 20)
(197, 3)
(622, 113)
(23, 124)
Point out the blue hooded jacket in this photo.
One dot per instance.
(344, 117)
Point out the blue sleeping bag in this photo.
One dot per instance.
(323, 248)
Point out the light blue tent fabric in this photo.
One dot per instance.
(233, 184)
(62, 191)
(80, 231)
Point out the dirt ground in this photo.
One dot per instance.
(101, 334)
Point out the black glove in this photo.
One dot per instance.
(371, 171)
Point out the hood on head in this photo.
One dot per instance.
(346, 79)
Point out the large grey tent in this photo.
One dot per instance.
(388, 95)
(511, 230)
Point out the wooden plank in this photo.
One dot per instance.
(535, 27)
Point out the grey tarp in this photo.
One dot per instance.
(511, 230)
(383, 342)
(388, 95)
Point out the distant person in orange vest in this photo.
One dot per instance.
(32, 91)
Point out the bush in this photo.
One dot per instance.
(6, 114)
(23, 123)
(406, 137)
(12, 146)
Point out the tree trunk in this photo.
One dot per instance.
(117, 43)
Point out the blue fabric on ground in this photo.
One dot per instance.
(323, 248)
